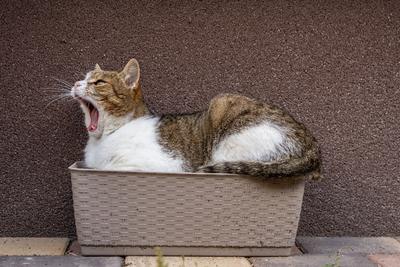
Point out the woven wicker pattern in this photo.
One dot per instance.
(144, 209)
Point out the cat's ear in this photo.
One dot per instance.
(131, 74)
(97, 67)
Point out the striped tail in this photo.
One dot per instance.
(309, 163)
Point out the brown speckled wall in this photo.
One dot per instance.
(335, 65)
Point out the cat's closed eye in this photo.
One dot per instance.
(99, 82)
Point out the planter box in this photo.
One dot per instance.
(131, 213)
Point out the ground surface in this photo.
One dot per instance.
(333, 64)
(319, 252)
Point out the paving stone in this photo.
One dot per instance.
(33, 246)
(321, 260)
(385, 260)
(347, 245)
(61, 261)
(149, 261)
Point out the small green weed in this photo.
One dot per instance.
(336, 263)
(160, 258)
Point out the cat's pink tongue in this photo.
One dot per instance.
(94, 117)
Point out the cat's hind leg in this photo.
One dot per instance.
(263, 142)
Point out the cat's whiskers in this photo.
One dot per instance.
(55, 89)
(64, 96)
(55, 92)
(79, 74)
(62, 82)
(58, 92)
(52, 97)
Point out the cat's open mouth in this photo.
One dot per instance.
(93, 114)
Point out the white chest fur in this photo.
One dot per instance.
(134, 146)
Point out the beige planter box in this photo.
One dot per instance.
(131, 213)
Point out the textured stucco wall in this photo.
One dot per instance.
(335, 65)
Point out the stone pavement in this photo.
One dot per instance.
(33, 246)
(61, 261)
(139, 261)
(319, 252)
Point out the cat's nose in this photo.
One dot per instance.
(75, 89)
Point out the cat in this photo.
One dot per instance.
(235, 134)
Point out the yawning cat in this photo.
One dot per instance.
(234, 134)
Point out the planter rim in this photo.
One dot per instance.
(79, 166)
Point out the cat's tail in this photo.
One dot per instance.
(297, 166)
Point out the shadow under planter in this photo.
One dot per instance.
(192, 214)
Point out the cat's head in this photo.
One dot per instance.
(108, 96)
